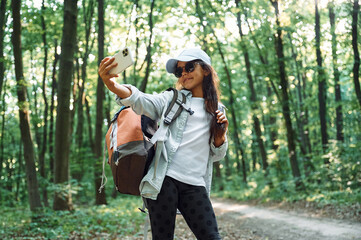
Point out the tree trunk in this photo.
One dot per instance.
(322, 97)
(88, 12)
(3, 107)
(136, 3)
(3, 19)
(273, 133)
(46, 106)
(231, 101)
(148, 58)
(52, 107)
(218, 175)
(285, 103)
(62, 199)
(253, 97)
(228, 167)
(29, 153)
(20, 169)
(234, 120)
(302, 113)
(272, 120)
(356, 64)
(8, 170)
(304, 117)
(336, 74)
(80, 113)
(90, 129)
(100, 198)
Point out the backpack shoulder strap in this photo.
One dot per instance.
(176, 106)
(115, 117)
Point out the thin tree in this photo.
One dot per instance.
(302, 120)
(46, 107)
(286, 112)
(270, 84)
(322, 97)
(100, 197)
(253, 95)
(3, 18)
(23, 104)
(148, 58)
(239, 150)
(336, 74)
(356, 54)
(136, 6)
(88, 12)
(2, 139)
(62, 197)
(52, 107)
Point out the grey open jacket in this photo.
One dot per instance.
(169, 137)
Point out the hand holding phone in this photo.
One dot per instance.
(124, 60)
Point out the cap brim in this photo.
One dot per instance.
(172, 63)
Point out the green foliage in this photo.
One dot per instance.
(118, 219)
(336, 183)
(257, 188)
(177, 25)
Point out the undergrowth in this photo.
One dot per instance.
(119, 218)
(257, 188)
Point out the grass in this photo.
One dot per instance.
(119, 218)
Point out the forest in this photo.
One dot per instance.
(289, 75)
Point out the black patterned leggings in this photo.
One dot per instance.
(194, 204)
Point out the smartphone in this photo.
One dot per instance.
(124, 59)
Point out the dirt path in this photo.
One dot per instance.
(243, 222)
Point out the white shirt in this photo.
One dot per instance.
(190, 160)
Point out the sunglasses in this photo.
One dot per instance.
(189, 67)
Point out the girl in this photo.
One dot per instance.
(182, 177)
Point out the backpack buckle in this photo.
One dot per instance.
(167, 120)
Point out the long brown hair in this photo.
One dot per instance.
(211, 95)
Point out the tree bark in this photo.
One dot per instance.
(148, 58)
(285, 103)
(3, 19)
(3, 107)
(46, 106)
(234, 120)
(52, 107)
(29, 153)
(336, 74)
(90, 129)
(236, 140)
(253, 97)
(100, 198)
(80, 113)
(62, 198)
(322, 97)
(136, 3)
(356, 64)
(272, 120)
(20, 169)
(88, 12)
(302, 121)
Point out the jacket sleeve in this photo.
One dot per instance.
(217, 153)
(150, 105)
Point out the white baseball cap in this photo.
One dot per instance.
(186, 56)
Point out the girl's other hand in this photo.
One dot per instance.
(222, 119)
(220, 136)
